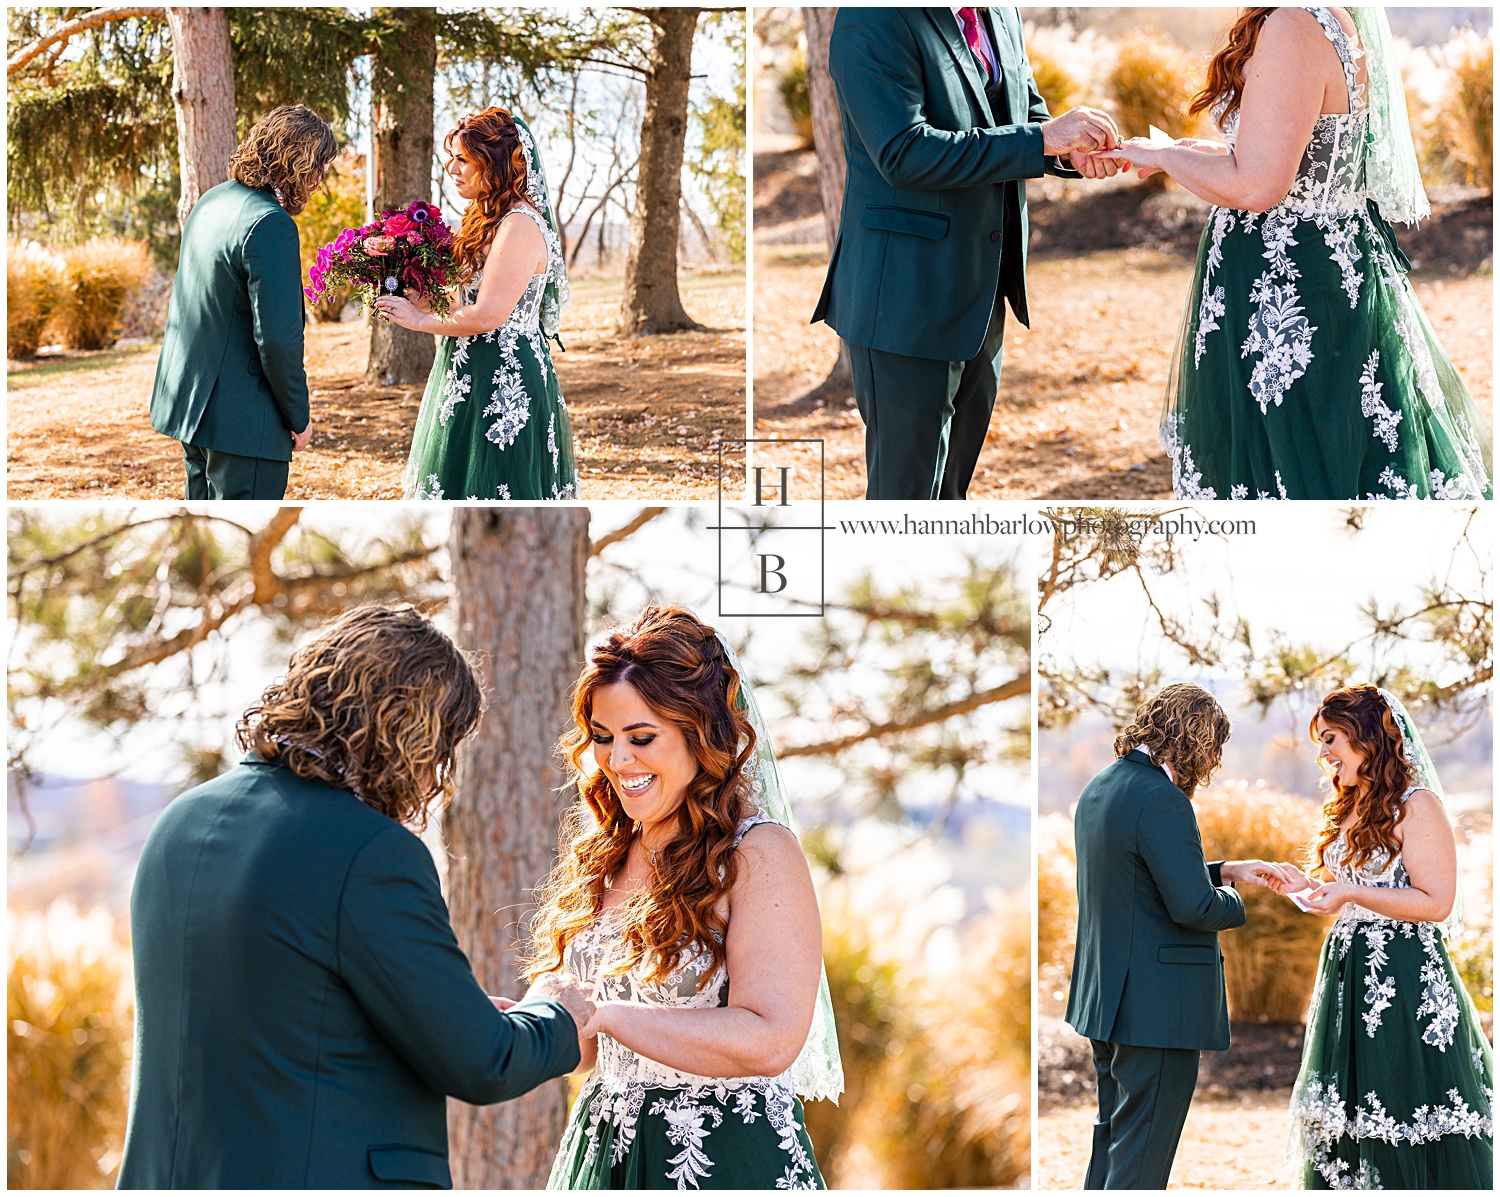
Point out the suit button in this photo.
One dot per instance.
(994, 236)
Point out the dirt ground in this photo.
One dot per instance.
(1234, 1142)
(647, 413)
(1081, 391)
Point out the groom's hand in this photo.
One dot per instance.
(1260, 872)
(1091, 167)
(1085, 129)
(300, 440)
(563, 988)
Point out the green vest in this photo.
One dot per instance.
(931, 177)
(1146, 969)
(230, 376)
(302, 1005)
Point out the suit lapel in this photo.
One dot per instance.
(1011, 74)
(952, 36)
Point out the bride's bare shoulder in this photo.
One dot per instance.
(1291, 25)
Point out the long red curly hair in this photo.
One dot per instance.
(1226, 70)
(678, 666)
(1384, 775)
(490, 140)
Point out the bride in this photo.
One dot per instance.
(492, 423)
(683, 901)
(1306, 367)
(1397, 1076)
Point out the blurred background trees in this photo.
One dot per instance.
(898, 718)
(119, 121)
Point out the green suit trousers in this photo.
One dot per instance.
(909, 454)
(215, 475)
(1144, 1094)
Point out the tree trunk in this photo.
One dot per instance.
(828, 141)
(203, 94)
(651, 303)
(519, 578)
(402, 116)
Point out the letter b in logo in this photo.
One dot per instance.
(768, 571)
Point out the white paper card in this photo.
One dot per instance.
(1159, 138)
(1298, 901)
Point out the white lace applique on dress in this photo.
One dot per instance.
(695, 1106)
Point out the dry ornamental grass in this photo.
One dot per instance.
(1271, 962)
(68, 1049)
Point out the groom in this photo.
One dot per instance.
(1148, 980)
(230, 383)
(942, 123)
(303, 1008)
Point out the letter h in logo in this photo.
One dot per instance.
(771, 551)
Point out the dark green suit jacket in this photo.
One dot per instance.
(230, 376)
(302, 1005)
(1147, 970)
(933, 194)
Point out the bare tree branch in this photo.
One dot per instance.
(981, 698)
(92, 20)
(645, 517)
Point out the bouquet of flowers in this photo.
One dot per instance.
(408, 253)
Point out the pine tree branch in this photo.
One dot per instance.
(1011, 689)
(92, 20)
(645, 517)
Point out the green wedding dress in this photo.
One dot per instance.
(1397, 1078)
(639, 1124)
(1306, 367)
(493, 424)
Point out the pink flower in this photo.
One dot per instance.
(398, 224)
(415, 238)
(378, 247)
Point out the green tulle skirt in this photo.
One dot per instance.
(628, 1137)
(1396, 1080)
(1307, 369)
(492, 423)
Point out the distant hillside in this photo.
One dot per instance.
(1277, 750)
(1432, 26)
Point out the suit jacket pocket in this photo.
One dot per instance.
(905, 220)
(1187, 953)
(414, 1165)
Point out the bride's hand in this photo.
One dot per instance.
(400, 310)
(1138, 152)
(1328, 898)
(1299, 881)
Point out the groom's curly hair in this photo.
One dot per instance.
(377, 704)
(288, 149)
(677, 665)
(1182, 726)
(492, 142)
(1364, 716)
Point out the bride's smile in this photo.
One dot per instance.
(1338, 757)
(645, 757)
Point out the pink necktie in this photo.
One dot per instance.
(971, 35)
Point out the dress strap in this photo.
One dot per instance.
(747, 824)
(1347, 53)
